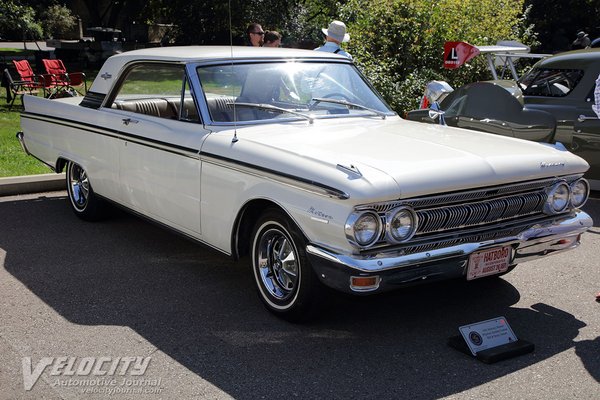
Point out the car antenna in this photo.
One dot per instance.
(235, 138)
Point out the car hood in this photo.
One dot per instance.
(418, 158)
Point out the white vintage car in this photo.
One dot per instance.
(292, 158)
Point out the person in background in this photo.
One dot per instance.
(272, 39)
(335, 34)
(582, 41)
(255, 35)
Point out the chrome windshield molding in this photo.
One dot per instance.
(192, 66)
(275, 176)
(540, 236)
(266, 60)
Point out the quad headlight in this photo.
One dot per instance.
(363, 228)
(580, 190)
(401, 224)
(561, 196)
(558, 199)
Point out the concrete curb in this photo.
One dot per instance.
(13, 185)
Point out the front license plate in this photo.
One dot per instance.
(488, 262)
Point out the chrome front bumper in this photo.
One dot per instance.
(396, 269)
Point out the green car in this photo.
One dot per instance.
(563, 85)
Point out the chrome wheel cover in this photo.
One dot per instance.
(79, 187)
(277, 264)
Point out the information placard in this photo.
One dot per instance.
(487, 334)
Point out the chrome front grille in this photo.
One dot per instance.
(444, 218)
(480, 212)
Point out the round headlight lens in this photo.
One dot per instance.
(363, 228)
(558, 199)
(580, 191)
(401, 224)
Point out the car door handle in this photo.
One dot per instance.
(583, 118)
(128, 121)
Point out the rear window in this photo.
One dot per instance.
(550, 82)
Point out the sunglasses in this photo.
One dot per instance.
(258, 33)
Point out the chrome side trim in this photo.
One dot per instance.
(169, 147)
(534, 242)
(276, 176)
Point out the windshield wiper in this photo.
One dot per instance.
(349, 104)
(271, 107)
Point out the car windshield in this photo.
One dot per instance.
(550, 82)
(276, 90)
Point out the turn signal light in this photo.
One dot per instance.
(364, 283)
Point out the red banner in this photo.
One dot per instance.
(458, 53)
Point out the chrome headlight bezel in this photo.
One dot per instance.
(350, 228)
(586, 193)
(552, 206)
(389, 218)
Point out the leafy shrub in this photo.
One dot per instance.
(58, 21)
(399, 44)
(18, 22)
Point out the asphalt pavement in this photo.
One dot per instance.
(98, 293)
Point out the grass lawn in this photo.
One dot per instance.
(13, 160)
(4, 51)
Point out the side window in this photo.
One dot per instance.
(550, 82)
(158, 90)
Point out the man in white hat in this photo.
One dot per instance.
(335, 34)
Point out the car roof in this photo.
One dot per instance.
(204, 53)
(185, 54)
(571, 59)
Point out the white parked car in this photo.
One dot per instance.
(292, 158)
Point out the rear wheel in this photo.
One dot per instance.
(84, 202)
(286, 282)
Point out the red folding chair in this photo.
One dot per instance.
(60, 82)
(29, 83)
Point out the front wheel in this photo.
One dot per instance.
(286, 282)
(84, 202)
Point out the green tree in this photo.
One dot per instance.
(58, 21)
(399, 43)
(18, 21)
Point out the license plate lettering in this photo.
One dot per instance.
(488, 262)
